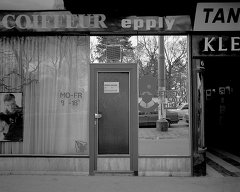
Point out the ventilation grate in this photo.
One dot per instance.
(113, 52)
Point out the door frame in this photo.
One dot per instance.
(131, 68)
(198, 125)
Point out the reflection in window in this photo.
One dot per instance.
(174, 141)
(143, 50)
(200, 117)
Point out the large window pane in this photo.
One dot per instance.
(52, 74)
(144, 50)
(175, 140)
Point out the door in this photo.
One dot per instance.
(113, 106)
(113, 118)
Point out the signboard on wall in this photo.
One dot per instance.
(217, 17)
(64, 21)
(213, 45)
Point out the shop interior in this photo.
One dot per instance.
(221, 82)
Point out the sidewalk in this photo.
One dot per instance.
(175, 141)
(176, 131)
(57, 183)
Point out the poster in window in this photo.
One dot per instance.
(11, 117)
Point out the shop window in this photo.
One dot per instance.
(144, 50)
(48, 75)
(168, 98)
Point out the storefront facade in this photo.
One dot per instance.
(45, 65)
(215, 54)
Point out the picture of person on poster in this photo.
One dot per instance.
(4, 126)
(14, 118)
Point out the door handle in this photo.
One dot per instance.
(97, 115)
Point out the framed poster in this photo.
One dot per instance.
(11, 117)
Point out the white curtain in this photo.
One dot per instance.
(55, 89)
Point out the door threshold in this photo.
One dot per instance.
(116, 173)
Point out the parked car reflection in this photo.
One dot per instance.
(186, 118)
(149, 119)
(181, 110)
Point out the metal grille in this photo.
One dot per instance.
(113, 52)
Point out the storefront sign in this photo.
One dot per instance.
(65, 21)
(231, 44)
(217, 17)
(216, 45)
(148, 23)
(53, 21)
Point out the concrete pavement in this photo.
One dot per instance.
(175, 141)
(70, 183)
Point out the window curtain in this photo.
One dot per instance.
(52, 72)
